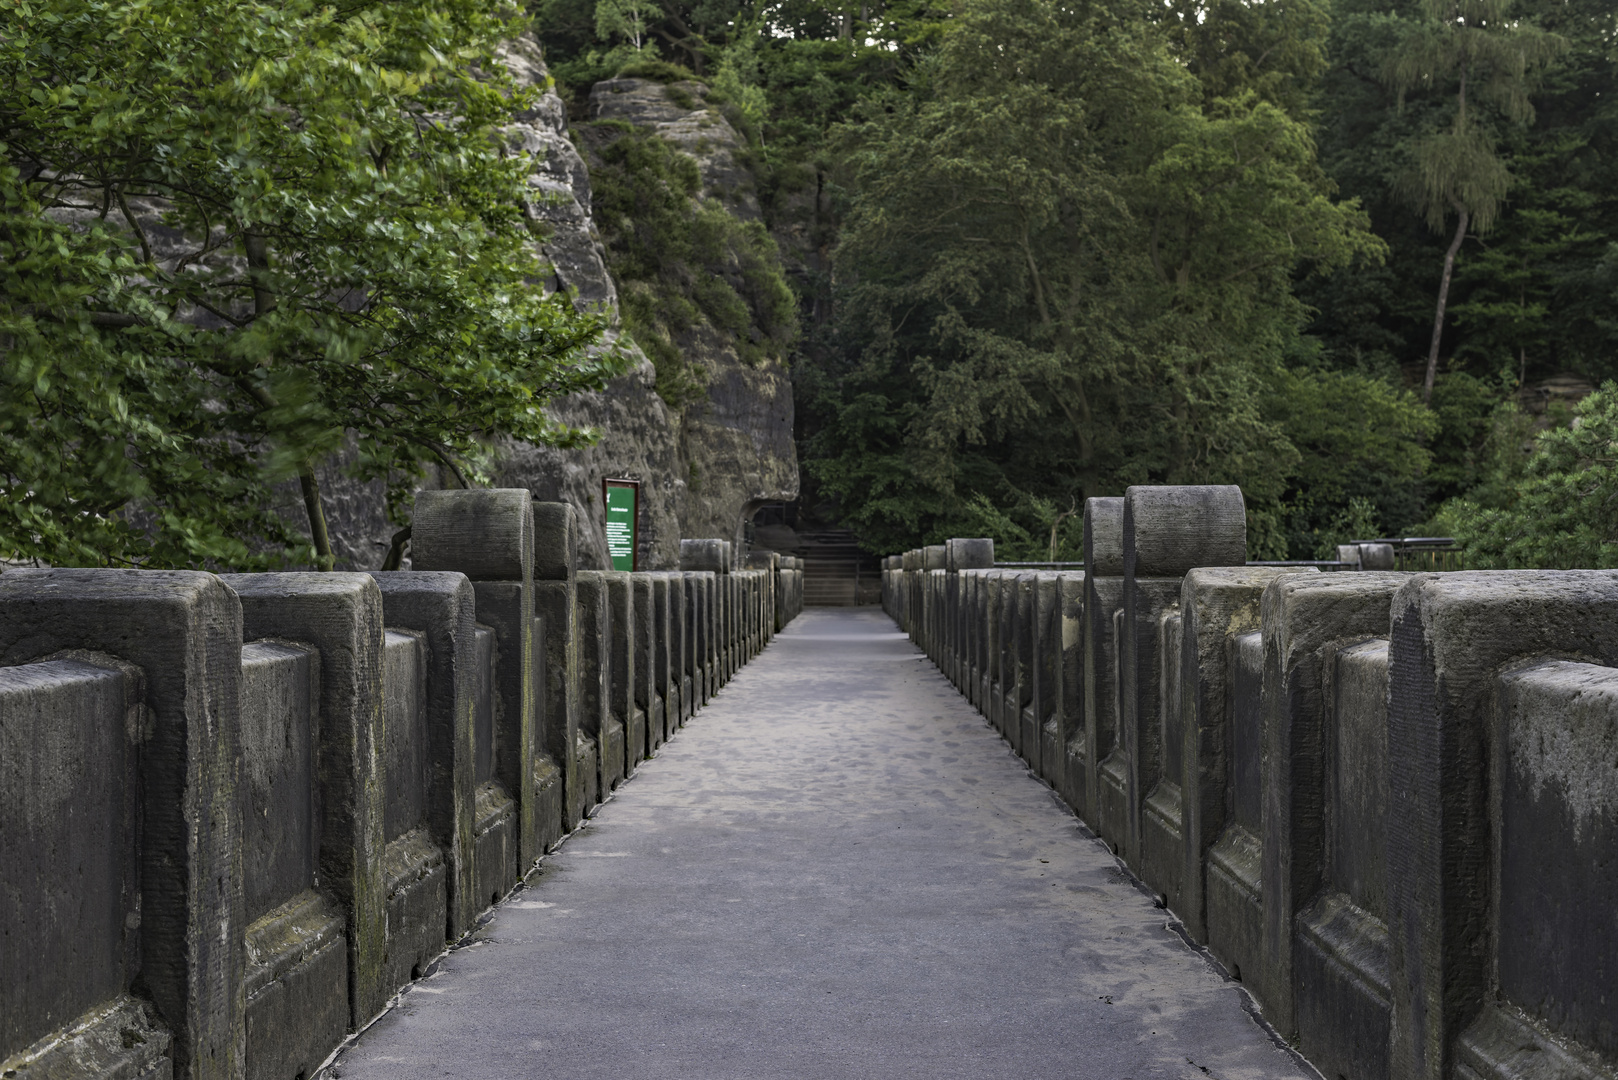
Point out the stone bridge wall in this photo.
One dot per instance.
(1386, 802)
(238, 813)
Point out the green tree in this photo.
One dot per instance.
(1065, 272)
(1276, 50)
(623, 18)
(233, 235)
(1492, 62)
(1560, 508)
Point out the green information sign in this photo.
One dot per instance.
(622, 499)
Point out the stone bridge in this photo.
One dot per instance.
(1253, 821)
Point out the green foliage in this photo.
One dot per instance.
(1492, 61)
(1561, 509)
(1277, 51)
(654, 70)
(623, 18)
(737, 82)
(685, 266)
(1361, 444)
(1067, 273)
(231, 233)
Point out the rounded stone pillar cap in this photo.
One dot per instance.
(485, 533)
(706, 555)
(976, 553)
(1169, 530)
(934, 556)
(1375, 556)
(1104, 537)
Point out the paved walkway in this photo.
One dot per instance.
(837, 870)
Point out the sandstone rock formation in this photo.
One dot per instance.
(705, 469)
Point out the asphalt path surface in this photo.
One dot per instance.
(836, 869)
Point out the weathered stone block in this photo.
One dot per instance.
(1555, 816)
(969, 554)
(414, 866)
(459, 726)
(709, 555)
(1233, 904)
(556, 541)
(1171, 529)
(1340, 950)
(183, 632)
(70, 733)
(484, 533)
(1218, 605)
(340, 615)
(1461, 774)
(297, 976)
(622, 701)
(1306, 619)
(597, 723)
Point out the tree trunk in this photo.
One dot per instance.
(324, 559)
(1443, 302)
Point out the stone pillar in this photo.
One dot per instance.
(712, 557)
(1305, 619)
(1070, 705)
(668, 690)
(990, 693)
(181, 901)
(1502, 823)
(1218, 605)
(1021, 724)
(556, 601)
(690, 674)
(597, 723)
(648, 695)
(489, 535)
(441, 606)
(1047, 667)
(340, 615)
(624, 702)
(1167, 531)
(1104, 778)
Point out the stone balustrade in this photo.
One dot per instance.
(1386, 802)
(238, 813)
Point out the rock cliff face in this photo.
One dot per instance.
(737, 443)
(705, 469)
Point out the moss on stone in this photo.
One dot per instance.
(686, 267)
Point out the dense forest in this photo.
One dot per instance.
(1355, 255)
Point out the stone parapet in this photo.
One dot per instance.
(252, 807)
(1386, 802)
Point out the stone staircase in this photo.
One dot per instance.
(837, 571)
